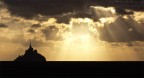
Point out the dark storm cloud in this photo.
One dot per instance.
(66, 17)
(31, 8)
(121, 30)
(36, 26)
(3, 25)
(2, 5)
(123, 11)
(31, 31)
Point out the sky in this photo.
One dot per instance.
(74, 30)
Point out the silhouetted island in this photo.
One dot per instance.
(31, 55)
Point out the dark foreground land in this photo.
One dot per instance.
(75, 69)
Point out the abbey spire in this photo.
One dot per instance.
(30, 48)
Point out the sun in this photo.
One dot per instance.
(80, 41)
(83, 38)
(79, 30)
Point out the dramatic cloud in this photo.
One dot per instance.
(72, 29)
(35, 26)
(121, 30)
(30, 8)
(123, 11)
(3, 25)
(139, 17)
(72, 8)
(105, 17)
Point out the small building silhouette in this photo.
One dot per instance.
(31, 55)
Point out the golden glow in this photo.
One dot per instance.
(77, 38)
(78, 42)
(79, 30)
(103, 20)
(107, 19)
(84, 37)
(112, 9)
